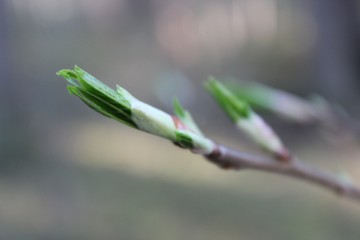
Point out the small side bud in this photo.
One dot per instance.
(185, 117)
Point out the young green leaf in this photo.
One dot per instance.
(233, 106)
(97, 95)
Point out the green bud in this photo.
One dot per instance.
(246, 119)
(123, 107)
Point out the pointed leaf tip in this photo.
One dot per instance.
(69, 76)
(63, 73)
(233, 106)
(178, 109)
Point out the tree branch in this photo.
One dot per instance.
(120, 105)
(227, 158)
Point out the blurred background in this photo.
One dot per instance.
(68, 173)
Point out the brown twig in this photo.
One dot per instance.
(231, 159)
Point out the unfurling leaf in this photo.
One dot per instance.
(123, 107)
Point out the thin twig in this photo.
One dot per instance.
(231, 159)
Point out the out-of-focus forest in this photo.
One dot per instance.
(68, 173)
